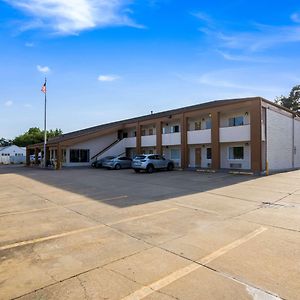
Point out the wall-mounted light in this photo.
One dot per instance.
(246, 144)
(246, 113)
(203, 146)
(209, 115)
(203, 119)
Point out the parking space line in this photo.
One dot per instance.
(57, 206)
(51, 237)
(157, 285)
(143, 216)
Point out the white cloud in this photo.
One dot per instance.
(8, 103)
(295, 17)
(258, 37)
(108, 78)
(42, 69)
(73, 16)
(28, 44)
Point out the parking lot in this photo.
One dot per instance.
(99, 234)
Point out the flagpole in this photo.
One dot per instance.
(45, 125)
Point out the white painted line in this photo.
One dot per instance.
(51, 237)
(155, 286)
(58, 206)
(142, 216)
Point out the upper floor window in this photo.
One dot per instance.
(208, 124)
(143, 132)
(198, 125)
(236, 121)
(150, 131)
(175, 128)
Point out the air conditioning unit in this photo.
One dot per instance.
(235, 166)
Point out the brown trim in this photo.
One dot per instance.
(255, 125)
(59, 157)
(158, 129)
(27, 156)
(138, 138)
(183, 146)
(215, 140)
(207, 106)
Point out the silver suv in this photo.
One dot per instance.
(151, 162)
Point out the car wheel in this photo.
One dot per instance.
(117, 166)
(170, 167)
(150, 169)
(137, 170)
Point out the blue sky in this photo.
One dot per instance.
(107, 60)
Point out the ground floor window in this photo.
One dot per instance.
(175, 153)
(208, 153)
(236, 152)
(79, 155)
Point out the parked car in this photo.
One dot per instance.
(151, 162)
(117, 163)
(98, 163)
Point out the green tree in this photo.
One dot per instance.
(34, 135)
(292, 101)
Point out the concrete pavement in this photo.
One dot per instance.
(98, 234)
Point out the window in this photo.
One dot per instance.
(175, 128)
(150, 151)
(208, 153)
(175, 153)
(236, 121)
(150, 131)
(143, 132)
(198, 125)
(236, 152)
(208, 124)
(79, 155)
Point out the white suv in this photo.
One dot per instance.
(151, 162)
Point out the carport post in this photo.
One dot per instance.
(58, 158)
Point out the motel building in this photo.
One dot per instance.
(247, 134)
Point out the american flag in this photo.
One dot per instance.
(44, 89)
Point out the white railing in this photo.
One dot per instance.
(199, 136)
(171, 139)
(235, 134)
(130, 142)
(148, 141)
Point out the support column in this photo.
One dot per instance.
(183, 131)
(158, 127)
(27, 157)
(47, 155)
(58, 158)
(138, 138)
(215, 140)
(36, 156)
(255, 125)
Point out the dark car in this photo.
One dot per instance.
(98, 163)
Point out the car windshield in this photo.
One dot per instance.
(140, 157)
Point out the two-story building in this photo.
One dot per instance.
(239, 134)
